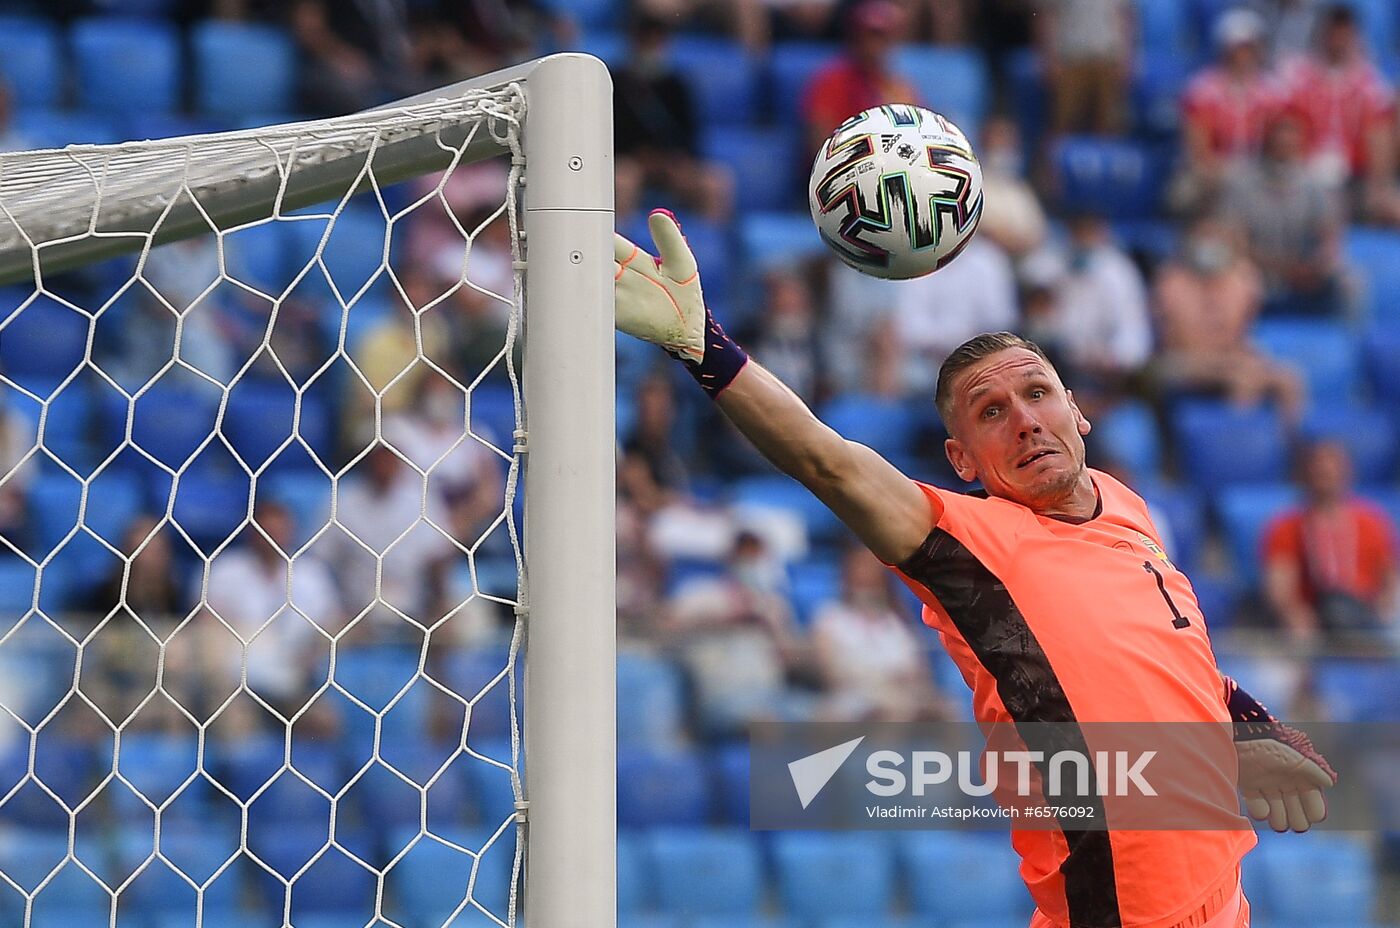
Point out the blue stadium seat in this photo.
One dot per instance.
(126, 65)
(588, 13)
(1125, 178)
(888, 426)
(778, 492)
(722, 76)
(956, 877)
(1029, 99)
(1379, 27)
(31, 60)
(1158, 83)
(765, 163)
(157, 766)
(1324, 352)
(258, 421)
(198, 852)
(855, 921)
(170, 421)
(1375, 254)
(257, 256)
(823, 874)
(813, 583)
(745, 921)
(243, 68)
(114, 499)
(307, 496)
(432, 878)
(1382, 347)
(58, 128)
(661, 788)
(1360, 689)
(1179, 511)
(1365, 431)
(731, 763)
(608, 45)
(1128, 432)
(211, 505)
(950, 80)
(1245, 511)
(492, 414)
(27, 856)
(791, 66)
(633, 877)
(334, 883)
(469, 671)
(354, 251)
(1164, 26)
(1271, 680)
(42, 341)
(650, 700)
(1317, 878)
(772, 239)
(1221, 444)
(16, 589)
(653, 920)
(705, 871)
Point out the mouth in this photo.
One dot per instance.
(1034, 456)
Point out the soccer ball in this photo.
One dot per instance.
(896, 191)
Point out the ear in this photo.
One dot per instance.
(1080, 423)
(962, 462)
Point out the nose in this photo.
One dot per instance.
(1027, 423)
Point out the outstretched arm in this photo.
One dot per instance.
(660, 300)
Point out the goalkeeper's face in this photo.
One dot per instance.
(1017, 429)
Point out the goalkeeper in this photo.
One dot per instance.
(1050, 590)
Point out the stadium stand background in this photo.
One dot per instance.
(701, 517)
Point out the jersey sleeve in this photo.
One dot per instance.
(986, 526)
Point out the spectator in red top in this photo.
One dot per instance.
(862, 77)
(1348, 113)
(1225, 110)
(1330, 565)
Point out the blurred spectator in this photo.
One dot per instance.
(1330, 565)
(11, 139)
(353, 55)
(17, 437)
(760, 22)
(655, 130)
(872, 664)
(785, 335)
(1097, 319)
(1225, 111)
(283, 609)
(863, 77)
(1012, 215)
(737, 637)
(1206, 299)
(391, 551)
(653, 472)
(1347, 111)
(1292, 25)
(457, 39)
(936, 313)
(462, 472)
(1292, 225)
(1085, 54)
(138, 605)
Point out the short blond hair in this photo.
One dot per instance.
(968, 354)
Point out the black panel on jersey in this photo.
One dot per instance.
(989, 620)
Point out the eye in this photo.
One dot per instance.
(1037, 393)
(990, 412)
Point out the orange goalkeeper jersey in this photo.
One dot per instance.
(1056, 622)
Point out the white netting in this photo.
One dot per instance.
(261, 581)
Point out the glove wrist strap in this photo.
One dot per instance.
(722, 362)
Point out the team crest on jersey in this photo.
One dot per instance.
(1156, 550)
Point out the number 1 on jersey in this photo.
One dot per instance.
(1178, 620)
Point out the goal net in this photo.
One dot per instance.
(268, 409)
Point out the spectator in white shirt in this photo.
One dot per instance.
(249, 590)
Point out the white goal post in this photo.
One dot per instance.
(552, 117)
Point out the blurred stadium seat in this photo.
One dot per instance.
(1315, 878)
(1324, 352)
(705, 871)
(433, 878)
(955, 877)
(814, 582)
(126, 65)
(887, 425)
(1360, 689)
(731, 763)
(1221, 444)
(31, 60)
(778, 492)
(587, 13)
(775, 239)
(1366, 432)
(765, 163)
(791, 66)
(1128, 433)
(661, 787)
(1244, 513)
(950, 80)
(722, 76)
(633, 878)
(43, 340)
(650, 700)
(1375, 255)
(58, 128)
(242, 69)
(1124, 179)
(822, 874)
